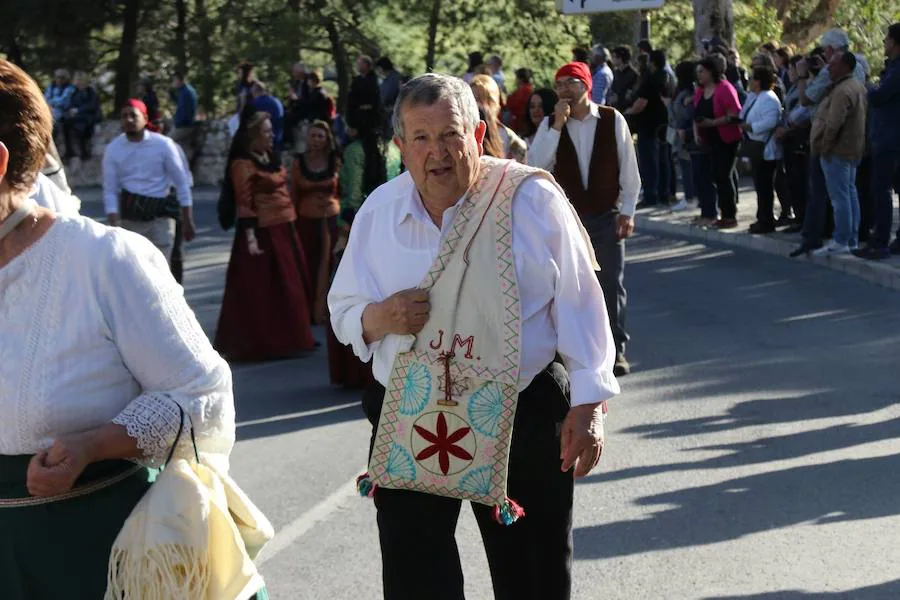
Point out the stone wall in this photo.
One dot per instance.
(208, 169)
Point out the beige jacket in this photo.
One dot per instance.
(839, 128)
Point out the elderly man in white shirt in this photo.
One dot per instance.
(590, 151)
(140, 168)
(384, 299)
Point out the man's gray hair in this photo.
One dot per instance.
(600, 51)
(431, 88)
(835, 38)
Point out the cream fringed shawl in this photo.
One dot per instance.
(193, 535)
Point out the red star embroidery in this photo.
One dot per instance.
(442, 444)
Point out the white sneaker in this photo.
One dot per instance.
(681, 205)
(832, 248)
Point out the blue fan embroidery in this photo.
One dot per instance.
(416, 390)
(486, 409)
(400, 463)
(477, 481)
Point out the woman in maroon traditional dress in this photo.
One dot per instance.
(314, 183)
(264, 312)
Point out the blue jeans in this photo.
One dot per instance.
(885, 168)
(840, 180)
(687, 178)
(654, 162)
(610, 251)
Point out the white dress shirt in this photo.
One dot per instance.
(149, 168)
(542, 153)
(393, 243)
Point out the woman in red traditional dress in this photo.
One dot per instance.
(314, 183)
(264, 311)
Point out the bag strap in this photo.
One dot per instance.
(182, 414)
(750, 108)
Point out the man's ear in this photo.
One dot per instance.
(399, 143)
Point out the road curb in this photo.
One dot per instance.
(879, 274)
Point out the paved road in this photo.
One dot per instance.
(753, 455)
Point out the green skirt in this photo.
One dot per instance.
(60, 549)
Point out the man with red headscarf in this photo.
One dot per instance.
(590, 151)
(140, 168)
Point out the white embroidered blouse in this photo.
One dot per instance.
(94, 329)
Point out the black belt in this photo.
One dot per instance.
(136, 207)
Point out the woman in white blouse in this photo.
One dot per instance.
(761, 115)
(99, 349)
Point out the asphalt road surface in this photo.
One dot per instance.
(753, 453)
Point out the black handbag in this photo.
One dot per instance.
(753, 149)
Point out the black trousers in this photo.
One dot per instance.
(723, 160)
(176, 261)
(796, 164)
(532, 558)
(866, 199)
(764, 183)
(82, 133)
(783, 189)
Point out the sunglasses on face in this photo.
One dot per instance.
(567, 82)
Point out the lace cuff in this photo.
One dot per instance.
(152, 420)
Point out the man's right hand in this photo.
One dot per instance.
(404, 313)
(561, 114)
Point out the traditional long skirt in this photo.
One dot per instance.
(265, 313)
(344, 366)
(318, 238)
(59, 548)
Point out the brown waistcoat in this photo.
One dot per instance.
(602, 193)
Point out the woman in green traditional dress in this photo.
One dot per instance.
(360, 174)
(100, 356)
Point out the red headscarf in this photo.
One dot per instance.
(578, 70)
(142, 108)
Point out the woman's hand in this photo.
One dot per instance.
(53, 472)
(253, 244)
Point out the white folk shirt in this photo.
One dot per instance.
(149, 168)
(95, 330)
(542, 153)
(393, 243)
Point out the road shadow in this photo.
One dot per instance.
(765, 449)
(881, 591)
(846, 490)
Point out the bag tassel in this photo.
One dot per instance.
(365, 487)
(509, 512)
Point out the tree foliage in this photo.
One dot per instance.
(210, 37)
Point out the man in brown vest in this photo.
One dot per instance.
(590, 152)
